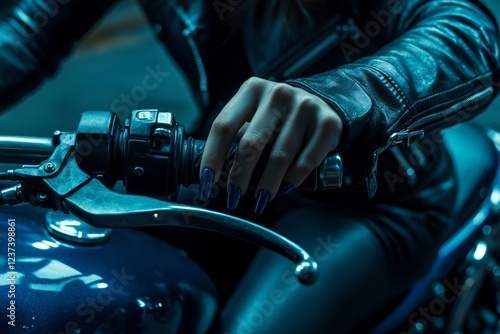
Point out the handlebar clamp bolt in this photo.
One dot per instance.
(42, 197)
(139, 171)
(49, 167)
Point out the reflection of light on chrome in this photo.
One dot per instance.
(70, 225)
(40, 245)
(69, 222)
(102, 285)
(50, 243)
(480, 251)
(68, 228)
(155, 215)
(495, 196)
(141, 302)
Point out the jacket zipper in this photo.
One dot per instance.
(297, 64)
(189, 32)
(319, 50)
(415, 129)
(431, 119)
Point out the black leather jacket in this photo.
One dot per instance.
(393, 70)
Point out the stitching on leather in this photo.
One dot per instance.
(392, 85)
(450, 89)
(426, 111)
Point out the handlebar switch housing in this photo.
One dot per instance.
(150, 143)
(95, 145)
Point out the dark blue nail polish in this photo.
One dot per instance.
(206, 182)
(262, 200)
(233, 196)
(285, 187)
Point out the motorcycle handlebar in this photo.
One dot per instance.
(151, 154)
(25, 150)
(166, 144)
(153, 157)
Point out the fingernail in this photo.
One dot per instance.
(233, 196)
(206, 182)
(285, 187)
(262, 200)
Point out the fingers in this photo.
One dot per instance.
(283, 152)
(241, 131)
(307, 137)
(259, 133)
(232, 117)
(313, 153)
(302, 128)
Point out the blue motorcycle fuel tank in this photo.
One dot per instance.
(57, 277)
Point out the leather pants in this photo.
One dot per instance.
(369, 253)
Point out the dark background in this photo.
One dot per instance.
(110, 61)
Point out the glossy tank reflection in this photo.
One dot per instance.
(124, 282)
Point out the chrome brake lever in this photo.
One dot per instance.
(67, 188)
(111, 209)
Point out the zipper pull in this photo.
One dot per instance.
(395, 139)
(371, 178)
(399, 137)
(188, 31)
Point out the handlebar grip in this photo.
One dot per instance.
(328, 175)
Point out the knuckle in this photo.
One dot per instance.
(249, 142)
(305, 166)
(279, 157)
(280, 89)
(252, 83)
(221, 128)
(330, 123)
(307, 102)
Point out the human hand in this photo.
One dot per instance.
(302, 127)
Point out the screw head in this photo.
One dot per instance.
(49, 167)
(42, 197)
(139, 171)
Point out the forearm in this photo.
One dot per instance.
(437, 55)
(36, 36)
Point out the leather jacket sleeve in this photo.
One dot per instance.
(435, 63)
(36, 36)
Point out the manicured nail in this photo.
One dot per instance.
(206, 182)
(285, 187)
(262, 200)
(233, 196)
